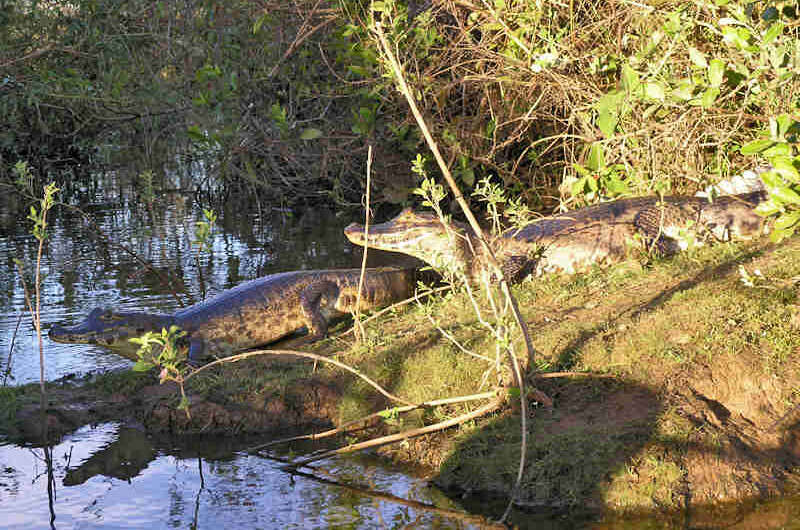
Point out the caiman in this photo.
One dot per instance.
(254, 313)
(569, 242)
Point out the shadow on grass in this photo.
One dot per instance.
(569, 356)
(597, 426)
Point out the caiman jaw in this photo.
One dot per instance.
(105, 327)
(423, 236)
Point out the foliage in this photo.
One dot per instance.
(161, 350)
(597, 99)
(575, 102)
(779, 148)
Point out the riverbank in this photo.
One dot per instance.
(673, 385)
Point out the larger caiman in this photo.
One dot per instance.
(568, 242)
(254, 313)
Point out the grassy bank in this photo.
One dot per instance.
(673, 383)
(681, 388)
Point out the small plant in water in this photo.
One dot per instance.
(202, 240)
(39, 231)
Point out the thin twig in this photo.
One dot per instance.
(9, 360)
(357, 314)
(392, 438)
(432, 145)
(295, 353)
(452, 339)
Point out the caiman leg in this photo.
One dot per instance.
(312, 298)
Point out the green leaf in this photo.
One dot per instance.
(607, 123)
(697, 58)
(184, 404)
(779, 149)
(142, 366)
(772, 32)
(596, 159)
(684, 91)
(771, 179)
(709, 97)
(716, 72)
(785, 195)
(582, 171)
(578, 186)
(513, 392)
(756, 146)
(630, 79)
(784, 167)
(654, 91)
(782, 123)
(310, 134)
(615, 185)
(260, 22)
(766, 208)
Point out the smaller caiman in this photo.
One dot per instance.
(254, 313)
(572, 241)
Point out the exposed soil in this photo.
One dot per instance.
(305, 403)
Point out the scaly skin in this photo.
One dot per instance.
(570, 242)
(254, 313)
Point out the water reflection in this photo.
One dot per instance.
(112, 477)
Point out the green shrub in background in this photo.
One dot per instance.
(571, 102)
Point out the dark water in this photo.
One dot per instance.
(137, 253)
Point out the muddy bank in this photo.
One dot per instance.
(138, 399)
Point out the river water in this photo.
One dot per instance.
(136, 252)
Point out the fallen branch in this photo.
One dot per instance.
(392, 438)
(483, 522)
(345, 427)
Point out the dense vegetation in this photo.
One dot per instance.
(574, 101)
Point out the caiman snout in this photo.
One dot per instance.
(56, 331)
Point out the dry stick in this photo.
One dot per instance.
(384, 440)
(357, 314)
(345, 427)
(295, 353)
(398, 73)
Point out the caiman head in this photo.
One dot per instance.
(443, 244)
(106, 327)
